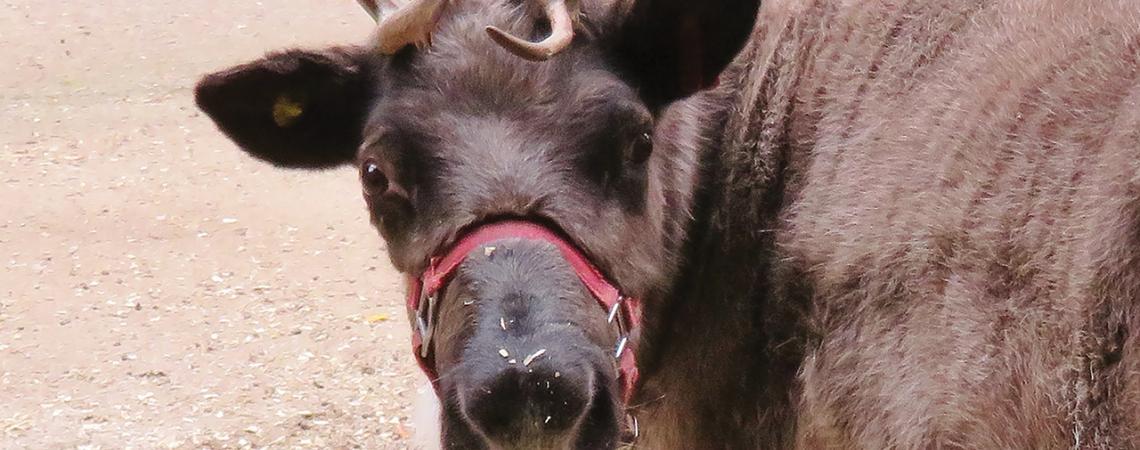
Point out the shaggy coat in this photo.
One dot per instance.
(893, 224)
(921, 229)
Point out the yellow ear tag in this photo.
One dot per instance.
(286, 111)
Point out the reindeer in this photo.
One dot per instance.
(803, 224)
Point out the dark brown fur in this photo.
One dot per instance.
(946, 195)
(893, 224)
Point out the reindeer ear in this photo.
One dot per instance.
(676, 47)
(300, 109)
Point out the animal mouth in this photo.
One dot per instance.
(423, 294)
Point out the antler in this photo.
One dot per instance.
(404, 22)
(561, 33)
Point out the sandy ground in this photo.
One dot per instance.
(158, 288)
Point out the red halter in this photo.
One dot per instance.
(423, 295)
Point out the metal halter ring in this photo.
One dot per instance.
(425, 322)
(615, 317)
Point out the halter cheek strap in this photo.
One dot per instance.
(622, 312)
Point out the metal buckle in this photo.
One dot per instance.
(620, 347)
(614, 310)
(617, 318)
(425, 322)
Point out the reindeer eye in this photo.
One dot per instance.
(373, 178)
(642, 148)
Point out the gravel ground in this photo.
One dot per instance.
(158, 288)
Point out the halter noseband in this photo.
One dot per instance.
(423, 296)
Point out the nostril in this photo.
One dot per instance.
(518, 402)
